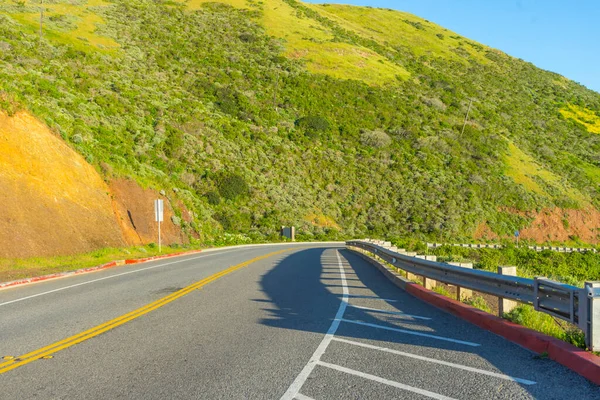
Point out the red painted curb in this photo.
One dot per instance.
(141, 260)
(582, 362)
(111, 264)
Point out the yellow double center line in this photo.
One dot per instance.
(97, 330)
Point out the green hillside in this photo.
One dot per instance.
(343, 121)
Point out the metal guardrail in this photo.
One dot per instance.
(580, 306)
(499, 246)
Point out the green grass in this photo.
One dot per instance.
(396, 28)
(584, 116)
(310, 41)
(82, 14)
(524, 170)
(478, 302)
(442, 290)
(525, 315)
(13, 269)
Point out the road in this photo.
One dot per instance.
(298, 321)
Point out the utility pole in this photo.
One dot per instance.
(41, 19)
(466, 117)
(275, 91)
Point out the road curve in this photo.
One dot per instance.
(272, 322)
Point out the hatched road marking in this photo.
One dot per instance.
(295, 387)
(300, 396)
(389, 312)
(433, 360)
(385, 381)
(293, 391)
(407, 332)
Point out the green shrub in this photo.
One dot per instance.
(232, 186)
(377, 139)
(525, 315)
(213, 198)
(313, 125)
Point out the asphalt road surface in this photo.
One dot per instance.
(298, 322)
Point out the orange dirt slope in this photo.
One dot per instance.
(134, 207)
(51, 200)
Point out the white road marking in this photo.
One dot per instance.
(384, 381)
(411, 332)
(111, 276)
(357, 296)
(389, 312)
(295, 387)
(433, 360)
(300, 396)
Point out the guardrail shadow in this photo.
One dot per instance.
(305, 290)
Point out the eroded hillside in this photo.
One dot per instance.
(343, 121)
(55, 203)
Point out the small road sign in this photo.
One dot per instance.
(158, 210)
(159, 217)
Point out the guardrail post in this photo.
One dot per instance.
(462, 293)
(505, 305)
(427, 282)
(410, 276)
(591, 315)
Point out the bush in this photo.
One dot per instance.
(233, 186)
(313, 124)
(377, 139)
(213, 198)
(248, 37)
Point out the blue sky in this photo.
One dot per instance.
(557, 35)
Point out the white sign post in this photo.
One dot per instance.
(158, 217)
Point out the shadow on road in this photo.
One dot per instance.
(305, 291)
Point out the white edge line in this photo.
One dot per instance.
(111, 276)
(408, 332)
(433, 360)
(295, 387)
(300, 396)
(389, 312)
(385, 381)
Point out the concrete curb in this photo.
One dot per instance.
(580, 361)
(4, 285)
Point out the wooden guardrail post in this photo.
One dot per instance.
(504, 305)
(429, 283)
(462, 293)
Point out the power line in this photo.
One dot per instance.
(466, 117)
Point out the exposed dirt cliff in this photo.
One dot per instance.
(52, 202)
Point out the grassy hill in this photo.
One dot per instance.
(344, 121)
